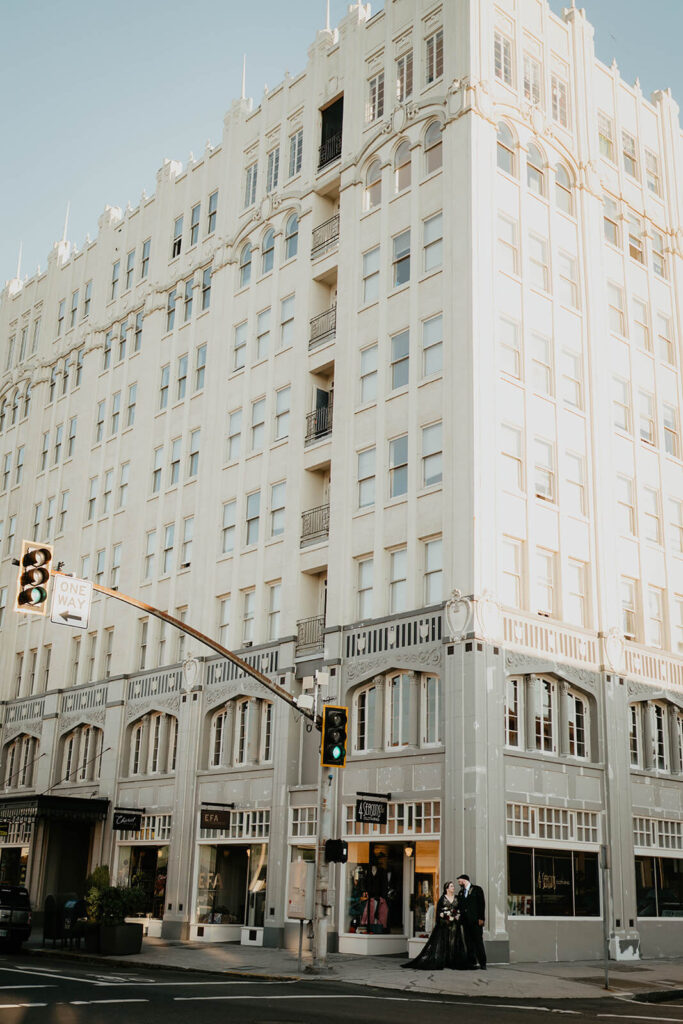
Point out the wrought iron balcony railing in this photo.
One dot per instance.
(323, 327)
(315, 524)
(325, 237)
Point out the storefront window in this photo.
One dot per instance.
(425, 886)
(13, 861)
(231, 888)
(391, 888)
(145, 867)
(659, 886)
(553, 883)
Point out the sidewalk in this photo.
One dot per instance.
(579, 980)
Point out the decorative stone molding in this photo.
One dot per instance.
(33, 728)
(487, 617)
(419, 660)
(138, 708)
(459, 616)
(528, 664)
(237, 688)
(190, 673)
(69, 722)
(615, 651)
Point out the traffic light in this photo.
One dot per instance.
(33, 578)
(333, 745)
(336, 851)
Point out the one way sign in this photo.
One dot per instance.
(71, 601)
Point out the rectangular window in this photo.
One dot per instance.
(433, 242)
(164, 385)
(628, 148)
(541, 351)
(206, 287)
(186, 546)
(629, 608)
(400, 355)
(610, 221)
(87, 299)
(92, 499)
(398, 581)
(115, 412)
(615, 301)
(211, 213)
(224, 609)
(365, 574)
(61, 309)
(123, 338)
(539, 274)
(19, 467)
(273, 170)
(671, 433)
(512, 712)
(560, 101)
(262, 334)
(200, 367)
(532, 79)
(368, 374)
(247, 638)
(432, 447)
(509, 346)
(258, 424)
(652, 175)
(398, 466)
(401, 259)
(641, 325)
(647, 417)
(73, 312)
(635, 239)
(132, 400)
(296, 148)
(576, 602)
(665, 348)
(46, 438)
(654, 623)
(170, 309)
(568, 280)
(621, 404)
(545, 581)
(189, 288)
(235, 435)
(658, 255)
(572, 378)
(544, 470)
(652, 521)
(144, 262)
(432, 345)
(274, 600)
(106, 354)
(193, 454)
(277, 509)
(174, 466)
(50, 516)
(433, 581)
(115, 271)
(606, 135)
(375, 102)
(371, 276)
(575, 484)
(167, 553)
(366, 477)
(181, 379)
(137, 344)
(404, 76)
(508, 245)
(107, 488)
(502, 58)
(511, 450)
(282, 409)
(240, 345)
(676, 525)
(253, 513)
(434, 57)
(124, 477)
(228, 527)
(195, 217)
(287, 322)
(177, 243)
(626, 517)
(115, 571)
(250, 185)
(130, 269)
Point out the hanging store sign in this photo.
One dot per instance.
(126, 821)
(373, 812)
(214, 819)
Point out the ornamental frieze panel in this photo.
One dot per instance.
(528, 664)
(72, 721)
(236, 688)
(420, 660)
(166, 705)
(34, 728)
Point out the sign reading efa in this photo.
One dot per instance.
(71, 600)
(214, 819)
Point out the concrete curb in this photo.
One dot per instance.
(666, 995)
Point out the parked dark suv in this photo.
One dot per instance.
(15, 915)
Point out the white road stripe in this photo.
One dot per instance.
(100, 1002)
(49, 974)
(16, 1006)
(630, 1016)
(204, 984)
(384, 999)
(5, 988)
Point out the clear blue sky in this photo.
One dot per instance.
(96, 94)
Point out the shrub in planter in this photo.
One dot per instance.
(107, 911)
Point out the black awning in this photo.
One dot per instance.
(53, 808)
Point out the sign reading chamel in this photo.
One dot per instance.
(71, 600)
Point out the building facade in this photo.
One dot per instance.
(387, 385)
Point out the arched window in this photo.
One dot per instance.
(431, 710)
(399, 710)
(10, 765)
(402, 167)
(27, 757)
(217, 739)
(27, 401)
(433, 148)
(268, 251)
(505, 149)
(153, 743)
(241, 745)
(15, 408)
(534, 170)
(137, 761)
(373, 185)
(577, 725)
(563, 189)
(69, 750)
(292, 237)
(245, 265)
(266, 731)
(367, 725)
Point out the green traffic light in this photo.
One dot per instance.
(336, 753)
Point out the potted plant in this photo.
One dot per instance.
(111, 934)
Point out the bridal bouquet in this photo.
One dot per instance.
(449, 915)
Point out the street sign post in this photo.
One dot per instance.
(71, 600)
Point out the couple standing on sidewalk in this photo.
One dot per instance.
(457, 940)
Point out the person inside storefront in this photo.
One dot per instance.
(375, 916)
(445, 947)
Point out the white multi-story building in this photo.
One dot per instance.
(388, 383)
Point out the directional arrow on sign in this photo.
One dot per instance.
(71, 599)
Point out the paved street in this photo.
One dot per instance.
(52, 990)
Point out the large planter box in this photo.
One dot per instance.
(113, 939)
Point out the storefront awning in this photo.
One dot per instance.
(52, 808)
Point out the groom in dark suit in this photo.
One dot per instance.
(472, 907)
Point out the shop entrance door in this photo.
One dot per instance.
(145, 867)
(68, 852)
(256, 885)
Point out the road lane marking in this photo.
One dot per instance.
(17, 1006)
(49, 974)
(101, 1002)
(630, 1016)
(5, 988)
(384, 999)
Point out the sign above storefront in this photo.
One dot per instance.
(214, 819)
(372, 811)
(126, 821)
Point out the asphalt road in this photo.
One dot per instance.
(50, 990)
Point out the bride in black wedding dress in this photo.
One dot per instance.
(445, 947)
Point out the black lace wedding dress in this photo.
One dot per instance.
(445, 947)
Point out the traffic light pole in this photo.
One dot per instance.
(275, 688)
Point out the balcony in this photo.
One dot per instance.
(325, 237)
(309, 634)
(323, 327)
(315, 525)
(330, 150)
(318, 424)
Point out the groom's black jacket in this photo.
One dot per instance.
(473, 906)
